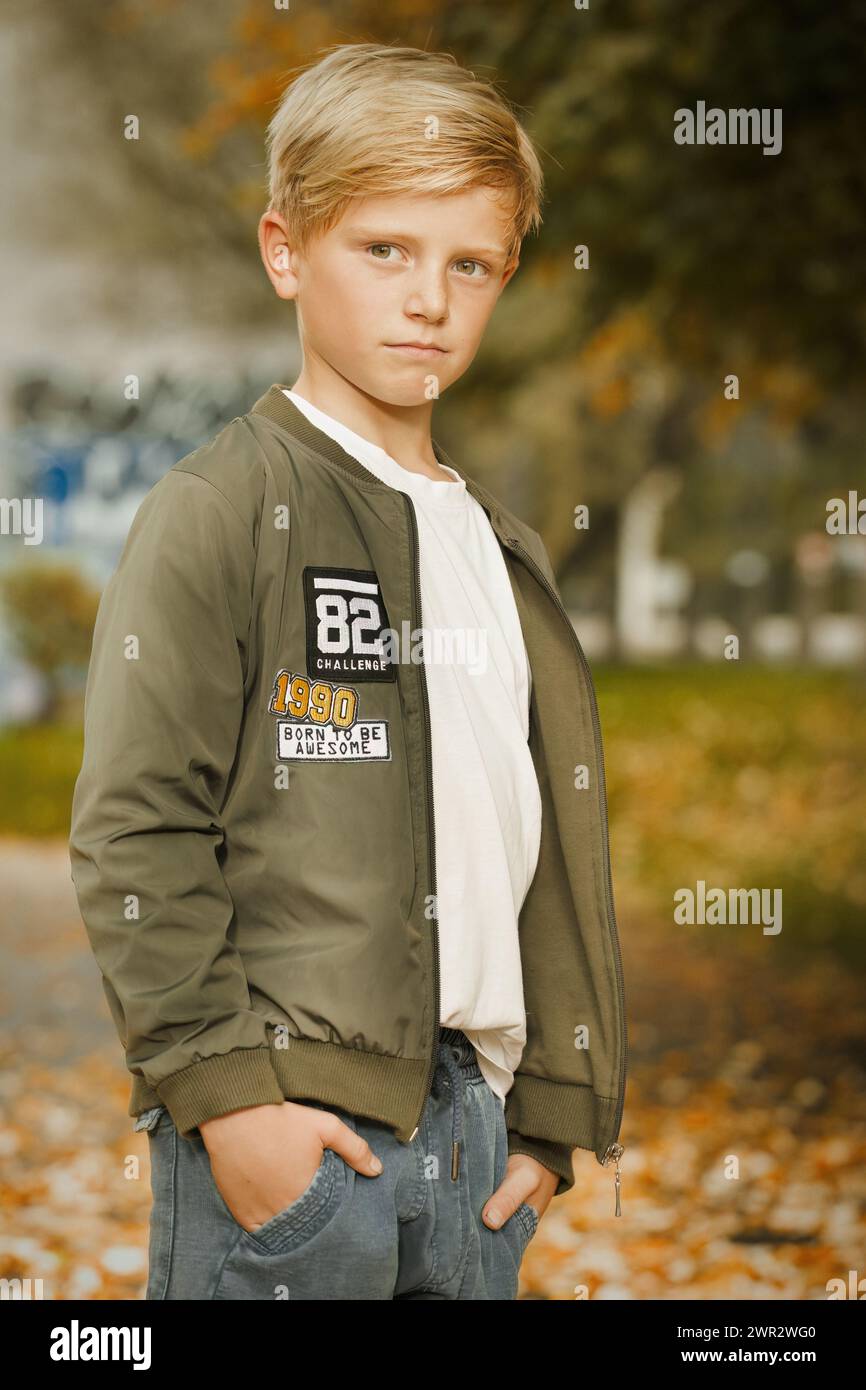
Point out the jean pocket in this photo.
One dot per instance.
(307, 1214)
(313, 1210)
(529, 1219)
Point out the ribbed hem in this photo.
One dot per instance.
(556, 1157)
(388, 1089)
(545, 1119)
(216, 1085)
(383, 1088)
(561, 1113)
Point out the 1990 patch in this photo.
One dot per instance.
(323, 723)
(346, 619)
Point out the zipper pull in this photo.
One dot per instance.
(615, 1152)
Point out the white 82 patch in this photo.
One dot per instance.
(346, 619)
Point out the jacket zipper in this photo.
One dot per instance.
(431, 837)
(614, 1151)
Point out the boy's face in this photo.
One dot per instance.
(396, 270)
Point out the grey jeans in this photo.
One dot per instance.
(412, 1232)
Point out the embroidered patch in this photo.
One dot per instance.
(366, 741)
(323, 723)
(346, 618)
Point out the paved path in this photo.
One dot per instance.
(49, 978)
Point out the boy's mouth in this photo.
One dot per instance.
(417, 349)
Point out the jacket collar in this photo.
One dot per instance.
(277, 406)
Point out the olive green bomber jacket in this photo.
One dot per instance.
(252, 840)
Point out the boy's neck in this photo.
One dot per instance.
(402, 431)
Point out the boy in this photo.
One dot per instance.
(350, 900)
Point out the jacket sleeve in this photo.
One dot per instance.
(163, 709)
(556, 1157)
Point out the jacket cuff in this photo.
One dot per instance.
(556, 1157)
(227, 1081)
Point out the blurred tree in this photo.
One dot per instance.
(50, 611)
(725, 247)
(705, 261)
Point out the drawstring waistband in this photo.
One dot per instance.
(447, 1058)
(451, 1065)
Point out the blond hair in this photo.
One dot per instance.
(374, 120)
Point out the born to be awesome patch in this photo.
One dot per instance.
(322, 723)
(346, 620)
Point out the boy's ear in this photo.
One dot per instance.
(276, 254)
(508, 272)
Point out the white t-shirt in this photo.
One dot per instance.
(486, 802)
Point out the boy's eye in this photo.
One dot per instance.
(387, 246)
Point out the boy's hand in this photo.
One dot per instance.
(524, 1177)
(262, 1158)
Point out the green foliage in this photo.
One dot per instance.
(50, 610)
(38, 768)
(745, 777)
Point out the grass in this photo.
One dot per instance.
(38, 768)
(743, 777)
(740, 776)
